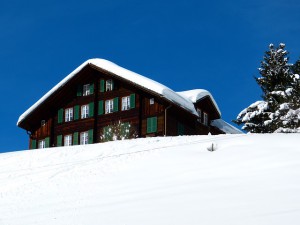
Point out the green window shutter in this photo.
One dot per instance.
(102, 84)
(154, 124)
(151, 124)
(91, 109)
(180, 129)
(100, 108)
(132, 101)
(91, 88)
(47, 142)
(59, 141)
(75, 138)
(116, 104)
(91, 136)
(79, 90)
(76, 112)
(149, 128)
(33, 144)
(60, 115)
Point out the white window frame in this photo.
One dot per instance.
(42, 144)
(69, 114)
(109, 106)
(109, 85)
(68, 140)
(86, 90)
(85, 111)
(84, 138)
(125, 103)
(205, 118)
(151, 101)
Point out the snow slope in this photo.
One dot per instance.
(249, 179)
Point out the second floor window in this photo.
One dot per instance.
(109, 106)
(86, 90)
(109, 85)
(84, 111)
(68, 140)
(68, 114)
(84, 138)
(125, 103)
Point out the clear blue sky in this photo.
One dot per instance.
(215, 45)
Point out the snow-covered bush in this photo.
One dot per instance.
(118, 131)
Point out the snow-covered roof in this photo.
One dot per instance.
(182, 99)
(226, 127)
(198, 94)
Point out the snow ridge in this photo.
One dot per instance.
(248, 179)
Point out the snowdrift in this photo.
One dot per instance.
(248, 179)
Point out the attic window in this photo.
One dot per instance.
(86, 90)
(151, 101)
(109, 85)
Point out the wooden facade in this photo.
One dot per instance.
(95, 98)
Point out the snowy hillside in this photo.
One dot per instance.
(249, 179)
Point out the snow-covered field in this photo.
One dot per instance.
(249, 179)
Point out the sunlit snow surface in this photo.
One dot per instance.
(249, 179)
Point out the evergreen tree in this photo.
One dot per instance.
(276, 113)
(290, 109)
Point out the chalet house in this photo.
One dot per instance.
(86, 102)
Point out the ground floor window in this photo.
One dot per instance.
(84, 138)
(42, 144)
(68, 140)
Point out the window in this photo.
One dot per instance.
(151, 101)
(125, 103)
(205, 119)
(109, 85)
(84, 138)
(151, 124)
(68, 140)
(68, 114)
(109, 106)
(86, 90)
(42, 144)
(43, 123)
(84, 111)
(199, 114)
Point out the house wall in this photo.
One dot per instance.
(178, 121)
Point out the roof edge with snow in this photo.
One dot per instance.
(177, 98)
